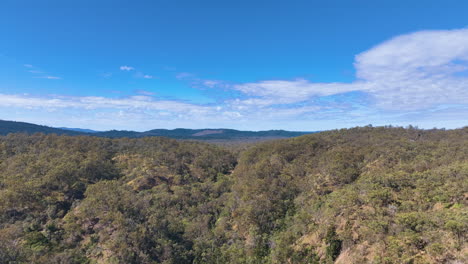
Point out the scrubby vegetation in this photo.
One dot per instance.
(362, 195)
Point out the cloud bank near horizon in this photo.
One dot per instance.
(419, 78)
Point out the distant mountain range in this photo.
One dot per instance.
(79, 129)
(7, 127)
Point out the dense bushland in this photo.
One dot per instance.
(362, 195)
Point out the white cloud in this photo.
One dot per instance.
(287, 92)
(28, 66)
(97, 102)
(126, 68)
(412, 71)
(424, 52)
(146, 76)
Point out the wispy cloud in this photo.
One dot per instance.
(214, 83)
(107, 75)
(50, 77)
(96, 102)
(36, 72)
(137, 74)
(201, 83)
(144, 92)
(169, 68)
(126, 68)
(184, 75)
(144, 76)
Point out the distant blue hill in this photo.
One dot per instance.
(7, 127)
(202, 134)
(79, 129)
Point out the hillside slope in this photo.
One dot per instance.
(367, 195)
(362, 195)
(7, 127)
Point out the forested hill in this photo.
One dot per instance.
(7, 127)
(361, 195)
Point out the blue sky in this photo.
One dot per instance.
(254, 65)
